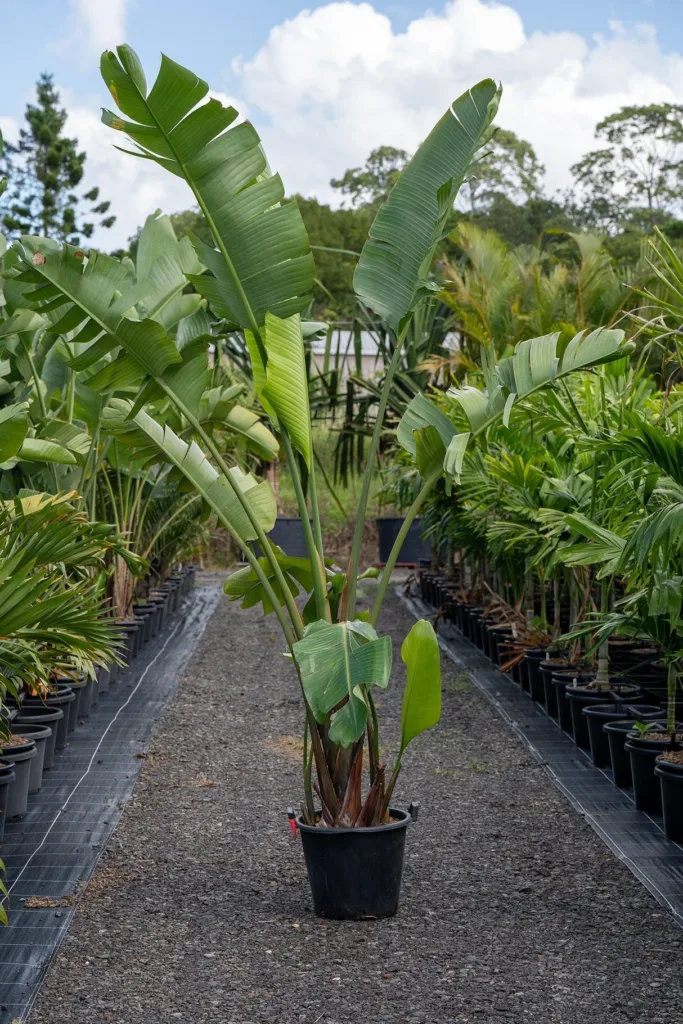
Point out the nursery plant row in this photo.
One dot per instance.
(621, 722)
(39, 724)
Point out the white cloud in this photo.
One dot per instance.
(135, 187)
(330, 84)
(335, 82)
(9, 129)
(93, 26)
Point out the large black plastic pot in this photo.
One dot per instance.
(670, 777)
(288, 533)
(63, 699)
(643, 752)
(544, 686)
(560, 680)
(580, 697)
(80, 708)
(7, 777)
(17, 793)
(132, 640)
(597, 715)
(500, 636)
(617, 734)
(42, 716)
(534, 657)
(413, 548)
(40, 734)
(355, 873)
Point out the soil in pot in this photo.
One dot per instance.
(597, 715)
(40, 734)
(7, 777)
(644, 749)
(20, 751)
(355, 873)
(42, 715)
(669, 771)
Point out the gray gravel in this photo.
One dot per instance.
(512, 908)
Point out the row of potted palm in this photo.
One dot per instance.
(566, 535)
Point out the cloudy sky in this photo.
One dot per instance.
(328, 82)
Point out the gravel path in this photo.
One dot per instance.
(512, 908)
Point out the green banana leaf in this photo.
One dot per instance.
(535, 364)
(149, 440)
(263, 260)
(339, 662)
(396, 256)
(421, 708)
(286, 388)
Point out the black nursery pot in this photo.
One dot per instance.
(63, 699)
(534, 657)
(40, 734)
(579, 698)
(644, 753)
(355, 873)
(7, 777)
(543, 685)
(560, 679)
(42, 716)
(17, 794)
(670, 777)
(597, 715)
(617, 734)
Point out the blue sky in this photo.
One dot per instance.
(339, 79)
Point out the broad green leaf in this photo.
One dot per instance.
(402, 239)
(455, 454)
(149, 439)
(259, 439)
(535, 365)
(286, 387)
(422, 413)
(430, 451)
(422, 696)
(263, 261)
(37, 449)
(338, 662)
(14, 426)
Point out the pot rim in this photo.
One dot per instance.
(406, 819)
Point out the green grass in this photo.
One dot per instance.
(338, 504)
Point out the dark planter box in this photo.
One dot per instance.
(288, 534)
(413, 548)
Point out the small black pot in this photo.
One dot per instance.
(355, 873)
(670, 777)
(647, 792)
(17, 794)
(42, 716)
(7, 777)
(534, 657)
(63, 698)
(131, 640)
(40, 734)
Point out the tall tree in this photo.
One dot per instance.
(43, 170)
(370, 184)
(508, 167)
(638, 172)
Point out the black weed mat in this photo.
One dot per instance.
(512, 910)
(637, 839)
(51, 853)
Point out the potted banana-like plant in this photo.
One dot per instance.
(257, 276)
